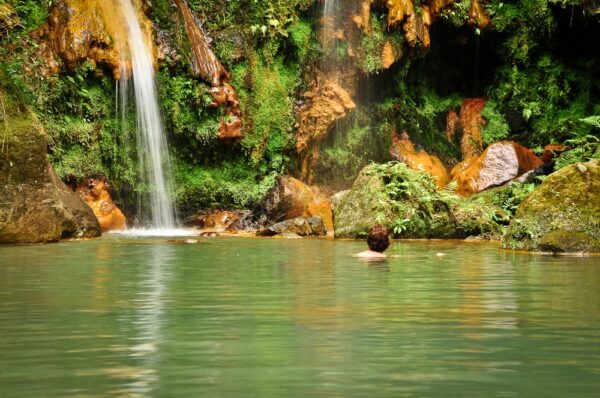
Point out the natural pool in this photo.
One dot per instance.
(231, 317)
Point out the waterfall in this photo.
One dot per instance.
(153, 157)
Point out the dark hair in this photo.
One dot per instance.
(379, 238)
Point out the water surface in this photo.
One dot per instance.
(229, 317)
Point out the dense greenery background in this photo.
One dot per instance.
(539, 67)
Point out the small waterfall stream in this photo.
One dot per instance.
(153, 157)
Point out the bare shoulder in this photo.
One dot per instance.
(370, 254)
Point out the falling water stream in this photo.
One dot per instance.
(153, 157)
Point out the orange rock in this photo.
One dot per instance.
(471, 120)
(500, 162)
(453, 126)
(398, 10)
(324, 105)
(82, 30)
(219, 221)
(322, 209)
(404, 151)
(389, 54)
(478, 15)
(551, 151)
(96, 192)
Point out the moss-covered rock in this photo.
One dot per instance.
(407, 201)
(35, 206)
(562, 214)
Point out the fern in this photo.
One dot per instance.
(592, 120)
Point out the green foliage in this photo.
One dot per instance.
(584, 148)
(496, 127)
(369, 50)
(457, 13)
(421, 112)
(423, 211)
(352, 145)
(232, 184)
(268, 106)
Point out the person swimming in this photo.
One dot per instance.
(378, 241)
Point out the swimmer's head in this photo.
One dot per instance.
(379, 238)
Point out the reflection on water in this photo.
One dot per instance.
(124, 317)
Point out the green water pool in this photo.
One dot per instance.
(234, 317)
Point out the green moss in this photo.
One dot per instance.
(565, 204)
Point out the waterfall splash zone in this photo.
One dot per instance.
(153, 157)
(158, 233)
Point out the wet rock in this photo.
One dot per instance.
(288, 199)
(96, 192)
(322, 211)
(562, 214)
(35, 206)
(478, 16)
(471, 122)
(403, 150)
(500, 163)
(317, 226)
(218, 220)
(397, 196)
(321, 107)
(79, 31)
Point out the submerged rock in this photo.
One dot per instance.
(408, 201)
(562, 214)
(35, 206)
(96, 193)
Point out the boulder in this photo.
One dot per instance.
(322, 211)
(337, 198)
(407, 201)
(552, 151)
(35, 206)
(499, 163)
(562, 214)
(218, 220)
(288, 199)
(95, 191)
(299, 226)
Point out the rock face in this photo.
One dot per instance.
(35, 206)
(397, 196)
(499, 163)
(96, 193)
(322, 211)
(403, 150)
(84, 30)
(562, 214)
(323, 105)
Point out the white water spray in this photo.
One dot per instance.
(153, 157)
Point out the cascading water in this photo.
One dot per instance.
(153, 157)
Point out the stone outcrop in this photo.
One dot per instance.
(97, 194)
(300, 226)
(289, 198)
(413, 206)
(552, 151)
(403, 150)
(82, 30)
(322, 210)
(562, 214)
(321, 108)
(499, 163)
(35, 206)
(219, 221)
(208, 66)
